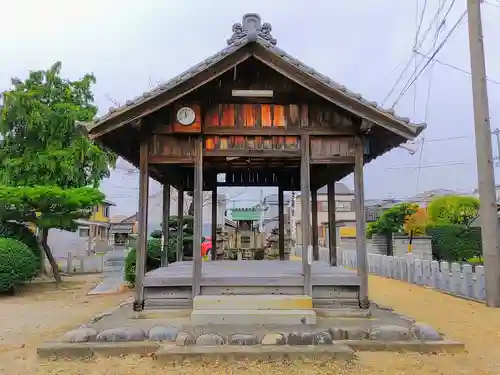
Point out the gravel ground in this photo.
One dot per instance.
(42, 315)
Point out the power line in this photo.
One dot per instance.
(455, 67)
(412, 55)
(431, 58)
(438, 28)
(497, 5)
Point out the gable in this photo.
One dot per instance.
(251, 39)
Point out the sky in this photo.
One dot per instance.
(131, 46)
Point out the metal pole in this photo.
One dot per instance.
(484, 155)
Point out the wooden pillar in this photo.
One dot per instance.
(314, 204)
(142, 240)
(214, 223)
(332, 225)
(281, 222)
(180, 228)
(198, 216)
(305, 201)
(359, 197)
(165, 219)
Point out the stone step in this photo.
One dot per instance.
(252, 302)
(253, 317)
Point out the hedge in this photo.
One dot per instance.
(20, 232)
(18, 264)
(153, 260)
(454, 242)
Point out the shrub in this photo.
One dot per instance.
(153, 260)
(20, 232)
(18, 264)
(455, 242)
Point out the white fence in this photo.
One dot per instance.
(110, 262)
(459, 279)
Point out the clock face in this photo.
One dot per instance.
(186, 116)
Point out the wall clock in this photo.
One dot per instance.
(186, 116)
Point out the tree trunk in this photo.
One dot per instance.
(390, 247)
(44, 234)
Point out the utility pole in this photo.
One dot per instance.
(484, 155)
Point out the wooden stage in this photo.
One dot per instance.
(170, 287)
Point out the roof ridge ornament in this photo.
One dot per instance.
(252, 27)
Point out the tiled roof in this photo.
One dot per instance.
(251, 31)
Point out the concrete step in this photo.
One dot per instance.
(253, 317)
(252, 302)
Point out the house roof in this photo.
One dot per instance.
(432, 193)
(251, 33)
(340, 189)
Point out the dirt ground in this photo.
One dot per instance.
(42, 313)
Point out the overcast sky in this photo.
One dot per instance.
(131, 45)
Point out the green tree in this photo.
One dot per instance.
(47, 207)
(44, 141)
(392, 221)
(453, 209)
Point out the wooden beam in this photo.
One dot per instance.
(145, 107)
(246, 153)
(315, 244)
(334, 160)
(332, 225)
(214, 223)
(359, 198)
(164, 227)
(305, 201)
(276, 131)
(198, 216)
(180, 228)
(281, 222)
(142, 243)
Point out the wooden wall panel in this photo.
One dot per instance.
(221, 143)
(251, 116)
(164, 147)
(328, 147)
(321, 116)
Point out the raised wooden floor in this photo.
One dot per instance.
(170, 287)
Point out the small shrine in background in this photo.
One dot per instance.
(248, 241)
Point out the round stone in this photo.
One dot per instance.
(184, 339)
(242, 339)
(163, 333)
(80, 335)
(273, 339)
(121, 334)
(322, 338)
(357, 334)
(338, 333)
(210, 339)
(426, 333)
(390, 333)
(300, 338)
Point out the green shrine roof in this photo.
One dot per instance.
(244, 214)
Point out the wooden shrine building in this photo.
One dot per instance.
(262, 118)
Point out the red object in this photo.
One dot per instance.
(206, 246)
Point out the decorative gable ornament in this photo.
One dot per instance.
(252, 27)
